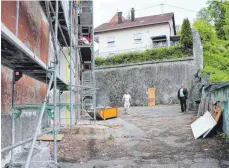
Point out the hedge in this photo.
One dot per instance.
(136, 57)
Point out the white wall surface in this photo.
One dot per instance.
(124, 38)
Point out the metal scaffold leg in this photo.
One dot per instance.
(93, 68)
(54, 89)
(70, 65)
(38, 125)
(12, 119)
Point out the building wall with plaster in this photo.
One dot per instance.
(124, 39)
(33, 30)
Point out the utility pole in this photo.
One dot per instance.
(162, 8)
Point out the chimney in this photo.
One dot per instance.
(119, 17)
(132, 15)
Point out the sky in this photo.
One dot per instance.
(104, 10)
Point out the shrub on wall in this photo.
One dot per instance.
(148, 55)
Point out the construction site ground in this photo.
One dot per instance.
(149, 137)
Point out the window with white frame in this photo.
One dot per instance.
(110, 41)
(138, 38)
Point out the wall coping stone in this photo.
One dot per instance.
(147, 62)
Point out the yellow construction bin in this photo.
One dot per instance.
(106, 113)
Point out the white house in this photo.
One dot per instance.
(137, 34)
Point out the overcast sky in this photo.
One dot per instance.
(104, 10)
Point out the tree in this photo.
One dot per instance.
(178, 31)
(205, 29)
(204, 14)
(218, 11)
(226, 26)
(186, 36)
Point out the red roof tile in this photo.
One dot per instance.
(141, 21)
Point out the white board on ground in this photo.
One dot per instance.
(203, 125)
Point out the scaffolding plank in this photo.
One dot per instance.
(24, 58)
(50, 137)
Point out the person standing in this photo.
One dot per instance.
(182, 96)
(126, 99)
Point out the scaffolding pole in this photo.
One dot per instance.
(23, 142)
(54, 88)
(70, 65)
(52, 80)
(38, 125)
(93, 66)
(17, 17)
(76, 64)
(12, 119)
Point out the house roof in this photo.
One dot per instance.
(141, 21)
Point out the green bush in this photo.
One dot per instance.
(148, 55)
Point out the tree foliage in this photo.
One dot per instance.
(214, 35)
(186, 36)
(204, 14)
(219, 12)
(206, 30)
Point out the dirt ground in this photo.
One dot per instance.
(149, 137)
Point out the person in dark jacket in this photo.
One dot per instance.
(182, 96)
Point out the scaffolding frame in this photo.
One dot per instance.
(36, 69)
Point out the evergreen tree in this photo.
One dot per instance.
(186, 37)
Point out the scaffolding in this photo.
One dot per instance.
(65, 36)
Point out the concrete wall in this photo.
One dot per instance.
(124, 39)
(166, 76)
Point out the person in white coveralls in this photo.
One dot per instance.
(126, 99)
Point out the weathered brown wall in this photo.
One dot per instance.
(33, 31)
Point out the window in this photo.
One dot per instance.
(110, 41)
(111, 54)
(160, 43)
(137, 37)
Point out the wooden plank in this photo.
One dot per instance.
(151, 96)
(50, 137)
(216, 113)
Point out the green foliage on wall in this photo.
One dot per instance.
(148, 55)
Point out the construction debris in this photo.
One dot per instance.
(204, 124)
